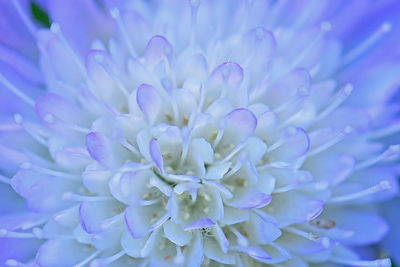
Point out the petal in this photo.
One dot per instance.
(361, 223)
(292, 207)
(221, 188)
(333, 168)
(176, 234)
(18, 249)
(264, 232)
(195, 255)
(255, 149)
(156, 155)
(157, 50)
(92, 214)
(46, 194)
(254, 252)
(287, 87)
(79, 25)
(204, 148)
(304, 246)
(202, 223)
(138, 247)
(234, 215)
(217, 171)
(104, 150)
(295, 145)
(16, 221)
(62, 252)
(220, 237)
(214, 252)
(140, 220)
(55, 111)
(149, 101)
(254, 51)
(96, 179)
(239, 125)
(229, 73)
(250, 199)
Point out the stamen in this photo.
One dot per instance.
(128, 146)
(324, 241)
(323, 223)
(387, 131)
(175, 108)
(300, 95)
(4, 179)
(367, 44)
(88, 259)
(350, 262)
(99, 58)
(14, 263)
(276, 145)
(236, 150)
(136, 168)
(27, 21)
(393, 150)
(33, 132)
(43, 170)
(185, 150)
(70, 196)
(112, 221)
(55, 28)
(194, 7)
(16, 91)
(337, 100)
(50, 118)
(11, 234)
(241, 239)
(115, 14)
(381, 186)
(276, 164)
(219, 136)
(347, 130)
(235, 168)
(179, 258)
(324, 28)
(301, 180)
(37, 231)
(106, 261)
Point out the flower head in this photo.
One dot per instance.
(197, 133)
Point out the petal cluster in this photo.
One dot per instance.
(197, 133)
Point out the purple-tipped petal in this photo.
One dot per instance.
(157, 50)
(202, 223)
(230, 73)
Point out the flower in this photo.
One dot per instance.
(197, 133)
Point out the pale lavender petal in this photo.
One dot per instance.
(239, 125)
(251, 200)
(149, 101)
(156, 155)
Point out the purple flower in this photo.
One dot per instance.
(199, 133)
